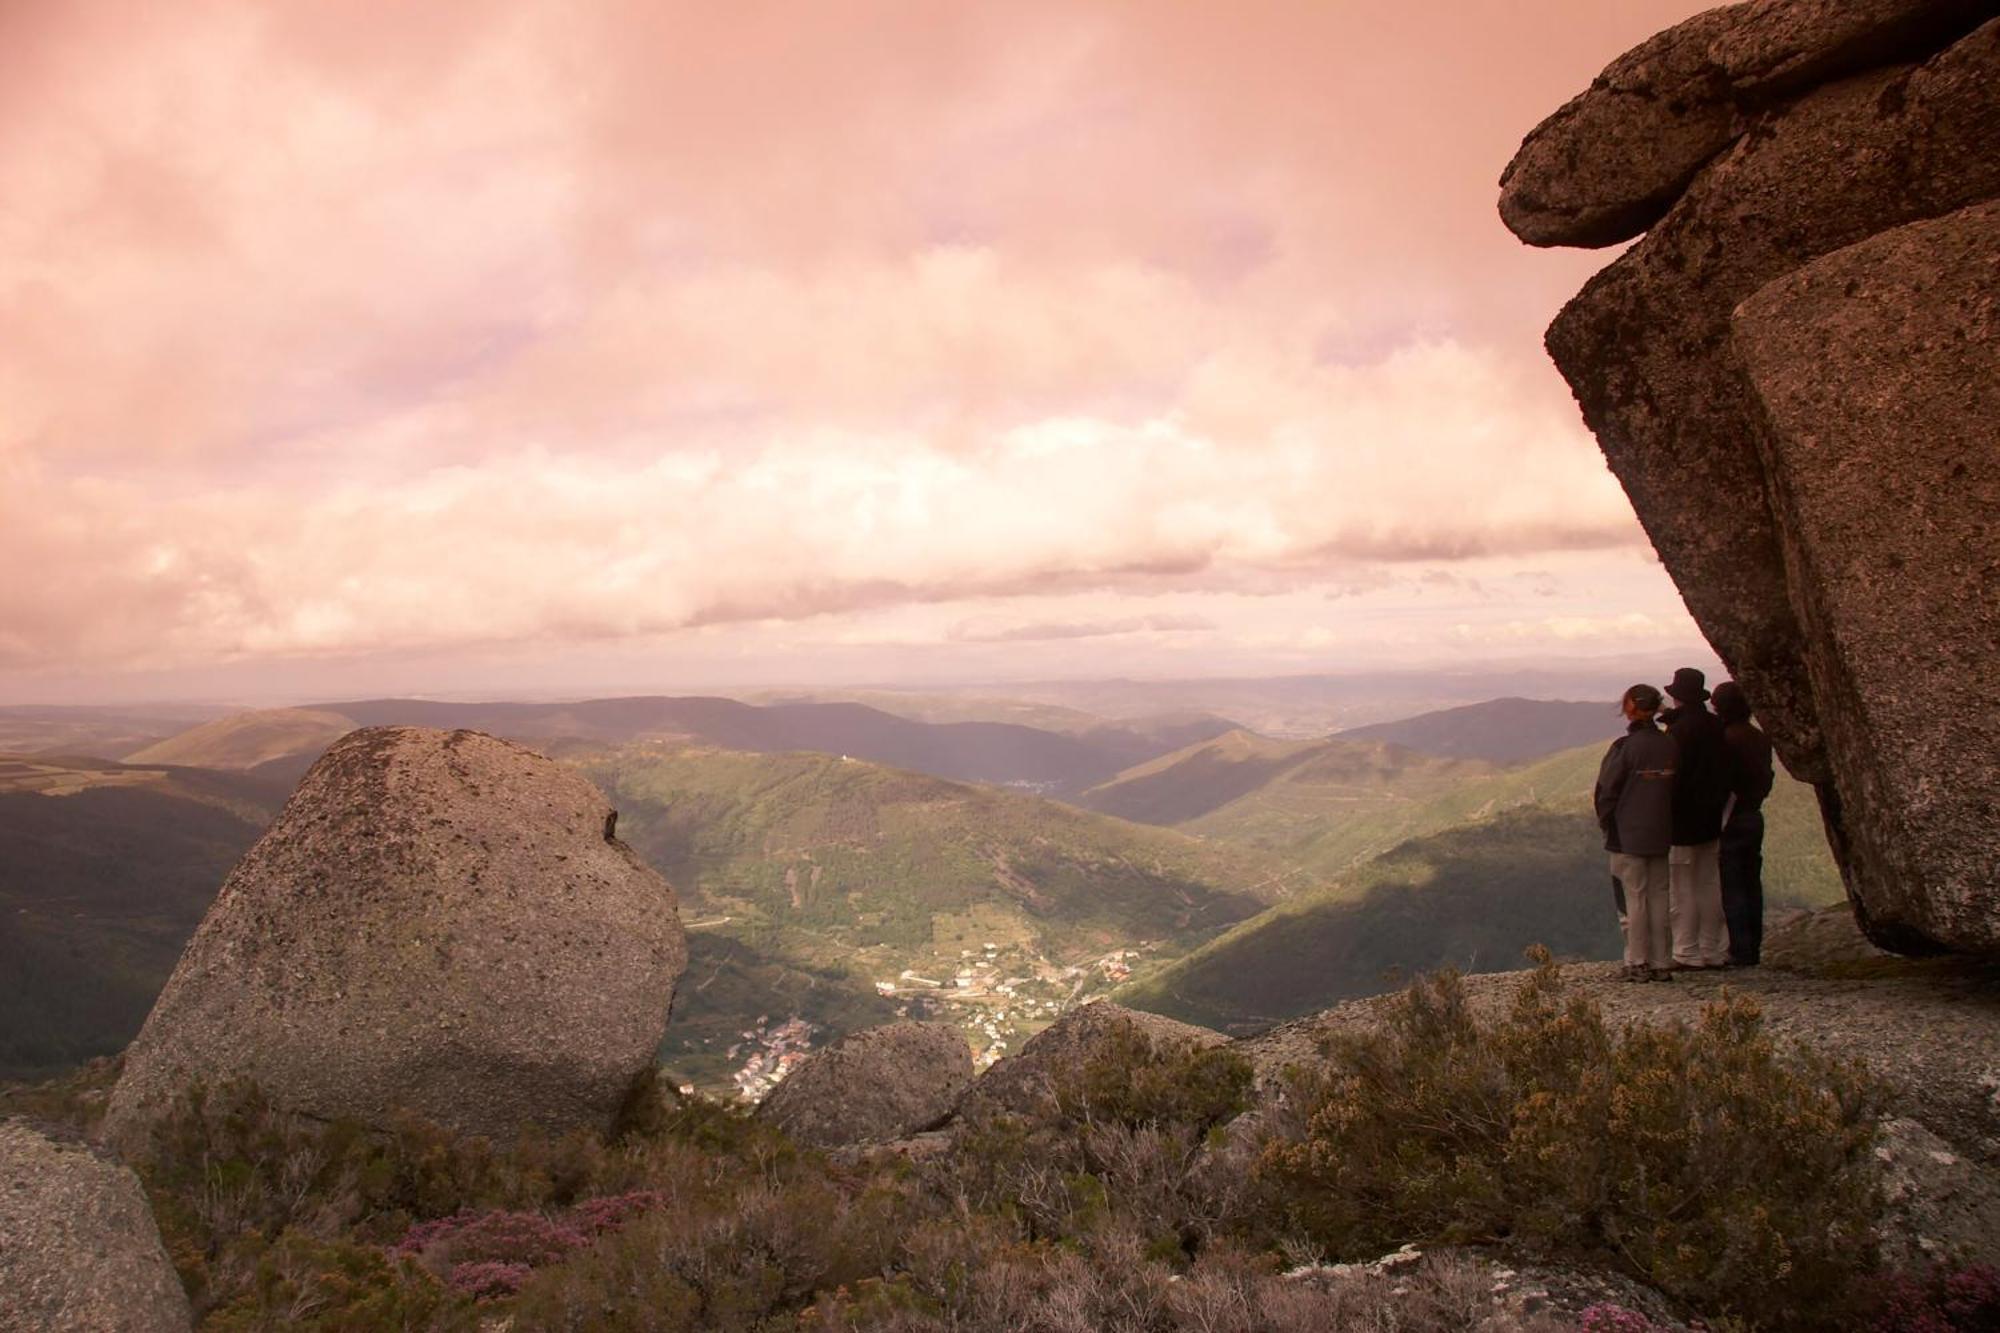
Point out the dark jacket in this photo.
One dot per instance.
(1754, 775)
(1635, 792)
(1706, 777)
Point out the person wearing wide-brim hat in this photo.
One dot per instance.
(1704, 779)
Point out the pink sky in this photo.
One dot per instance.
(580, 345)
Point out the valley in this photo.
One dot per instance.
(1196, 868)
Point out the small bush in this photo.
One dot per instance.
(1704, 1160)
(1133, 1138)
(1943, 1300)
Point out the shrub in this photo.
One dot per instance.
(1704, 1160)
(1132, 1137)
(1943, 1300)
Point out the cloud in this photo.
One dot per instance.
(1041, 631)
(470, 324)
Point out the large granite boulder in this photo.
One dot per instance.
(1661, 367)
(1614, 158)
(78, 1249)
(438, 921)
(1025, 1084)
(873, 1086)
(1878, 371)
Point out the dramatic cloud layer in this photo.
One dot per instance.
(441, 332)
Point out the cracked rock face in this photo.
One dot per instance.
(439, 922)
(78, 1249)
(1792, 376)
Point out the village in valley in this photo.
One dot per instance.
(998, 995)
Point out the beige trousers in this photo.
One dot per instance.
(1648, 938)
(1701, 932)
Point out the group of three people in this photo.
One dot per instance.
(1682, 814)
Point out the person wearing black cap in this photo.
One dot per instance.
(1635, 808)
(1704, 780)
(1742, 851)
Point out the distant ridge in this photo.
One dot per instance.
(1500, 731)
(1212, 774)
(277, 742)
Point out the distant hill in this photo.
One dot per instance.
(1202, 778)
(247, 740)
(1476, 872)
(853, 874)
(868, 856)
(1501, 731)
(285, 741)
(99, 731)
(105, 870)
(1473, 896)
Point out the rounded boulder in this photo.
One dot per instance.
(873, 1086)
(438, 922)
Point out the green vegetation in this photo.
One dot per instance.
(837, 874)
(1709, 1162)
(1490, 865)
(1469, 897)
(1734, 1174)
(102, 888)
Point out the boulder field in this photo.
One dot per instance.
(1795, 374)
(438, 922)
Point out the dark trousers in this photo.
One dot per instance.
(1742, 864)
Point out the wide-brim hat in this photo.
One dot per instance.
(1690, 686)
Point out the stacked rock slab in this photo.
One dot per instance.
(78, 1249)
(873, 1086)
(438, 922)
(1842, 568)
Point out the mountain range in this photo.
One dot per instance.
(842, 864)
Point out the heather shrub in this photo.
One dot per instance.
(1132, 1139)
(1706, 1160)
(241, 1188)
(1942, 1300)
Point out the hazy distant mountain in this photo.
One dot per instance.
(1311, 706)
(1182, 787)
(285, 741)
(101, 732)
(105, 870)
(1504, 731)
(247, 740)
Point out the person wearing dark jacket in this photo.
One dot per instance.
(1635, 808)
(1742, 850)
(1704, 780)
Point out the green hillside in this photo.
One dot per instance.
(105, 870)
(1473, 897)
(861, 858)
(1003, 906)
(1485, 868)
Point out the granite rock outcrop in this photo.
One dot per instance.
(1792, 376)
(79, 1252)
(438, 922)
(873, 1086)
